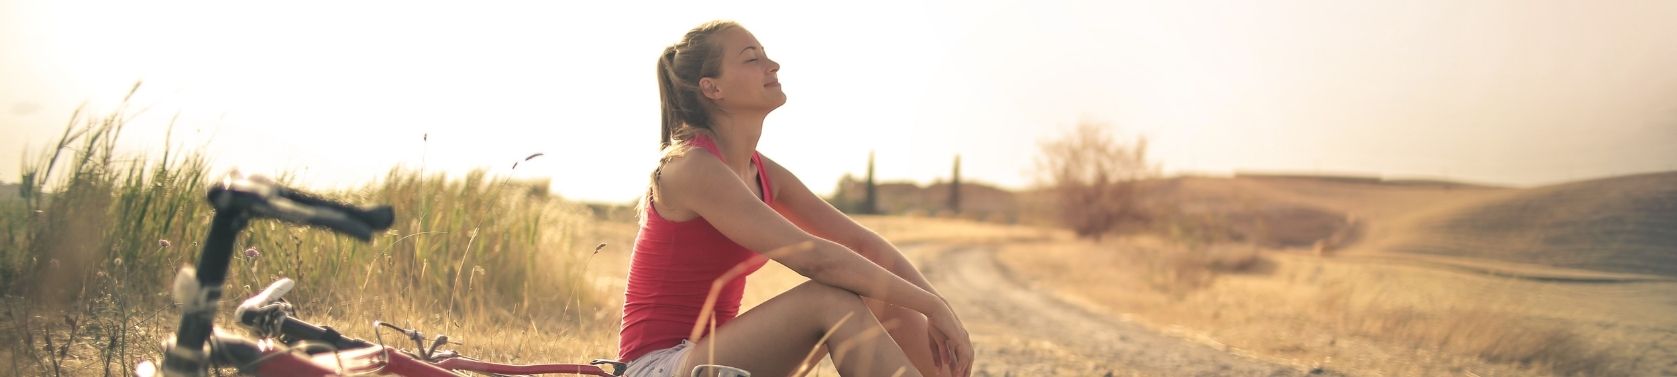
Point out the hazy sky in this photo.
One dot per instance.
(1513, 92)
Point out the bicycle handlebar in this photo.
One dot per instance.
(262, 197)
(237, 199)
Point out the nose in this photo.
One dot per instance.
(774, 66)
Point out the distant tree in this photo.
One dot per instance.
(870, 202)
(955, 187)
(844, 196)
(1091, 177)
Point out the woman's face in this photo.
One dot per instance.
(749, 80)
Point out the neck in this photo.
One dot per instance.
(736, 137)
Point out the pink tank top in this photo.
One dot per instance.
(671, 271)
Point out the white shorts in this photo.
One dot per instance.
(660, 363)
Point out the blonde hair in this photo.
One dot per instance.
(685, 111)
(680, 67)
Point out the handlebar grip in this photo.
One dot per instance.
(299, 329)
(324, 216)
(261, 197)
(378, 217)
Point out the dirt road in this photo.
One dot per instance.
(1033, 333)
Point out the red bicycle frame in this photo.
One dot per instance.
(389, 361)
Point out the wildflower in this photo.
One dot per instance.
(252, 253)
(163, 243)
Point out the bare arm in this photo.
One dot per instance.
(701, 183)
(951, 347)
(797, 203)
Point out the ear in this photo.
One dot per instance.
(709, 89)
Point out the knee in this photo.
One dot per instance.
(896, 318)
(829, 298)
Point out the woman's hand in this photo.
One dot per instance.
(951, 350)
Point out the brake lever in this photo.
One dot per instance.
(268, 306)
(439, 342)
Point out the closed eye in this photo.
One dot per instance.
(749, 48)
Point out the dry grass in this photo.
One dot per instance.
(1499, 335)
(1367, 314)
(1354, 317)
(1148, 263)
(497, 264)
(1498, 328)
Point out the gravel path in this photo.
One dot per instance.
(1020, 331)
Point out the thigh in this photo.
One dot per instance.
(773, 338)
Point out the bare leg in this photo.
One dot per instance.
(773, 338)
(908, 329)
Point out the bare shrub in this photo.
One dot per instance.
(1091, 178)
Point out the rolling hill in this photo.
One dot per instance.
(1623, 224)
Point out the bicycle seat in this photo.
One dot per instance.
(262, 197)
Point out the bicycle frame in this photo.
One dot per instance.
(265, 358)
(378, 358)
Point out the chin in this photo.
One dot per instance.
(777, 101)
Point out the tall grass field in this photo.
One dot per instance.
(92, 239)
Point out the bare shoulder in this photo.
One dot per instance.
(770, 165)
(785, 183)
(683, 176)
(777, 174)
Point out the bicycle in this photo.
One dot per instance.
(288, 346)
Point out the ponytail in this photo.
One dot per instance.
(668, 97)
(681, 107)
